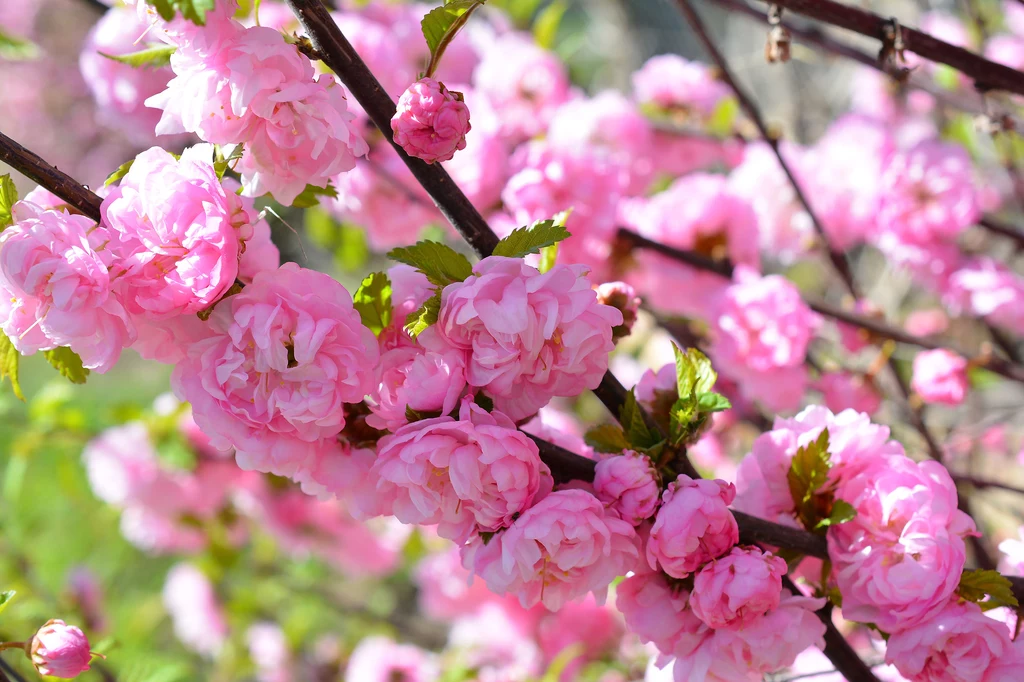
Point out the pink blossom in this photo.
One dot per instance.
(628, 484)
(843, 391)
(341, 469)
(672, 83)
(693, 526)
(658, 612)
(899, 560)
(927, 322)
(446, 589)
(1007, 50)
(623, 298)
(481, 169)
(60, 650)
(474, 473)
(559, 549)
(762, 330)
(1012, 561)
(940, 376)
(269, 651)
(698, 213)
(431, 122)
(413, 379)
(654, 387)
(928, 193)
(532, 335)
(282, 358)
(178, 233)
(409, 289)
(958, 644)
(525, 82)
(855, 338)
(382, 48)
(983, 286)
(594, 628)
(196, 614)
(56, 287)
(121, 464)
(378, 659)
(735, 590)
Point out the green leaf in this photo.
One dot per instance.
(424, 316)
(67, 362)
(321, 228)
(193, 10)
(8, 197)
(561, 662)
(976, 585)
(548, 256)
(807, 473)
(712, 402)
(373, 301)
(222, 163)
(723, 118)
(121, 171)
(520, 11)
(15, 49)
(526, 240)
(5, 598)
(638, 434)
(842, 511)
(694, 374)
(310, 196)
(545, 26)
(442, 24)
(607, 438)
(352, 251)
(153, 57)
(442, 264)
(9, 358)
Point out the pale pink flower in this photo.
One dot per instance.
(414, 379)
(958, 644)
(983, 286)
(382, 48)
(379, 659)
(928, 193)
(940, 376)
(60, 650)
(658, 612)
(341, 469)
(481, 169)
(196, 614)
(655, 387)
(56, 287)
(268, 648)
(476, 473)
(735, 590)
(559, 549)
(499, 642)
(122, 464)
(623, 298)
(693, 526)
(674, 84)
(927, 322)
(446, 589)
(177, 232)
(533, 336)
(409, 289)
(431, 122)
(898, 561)
(762, 331)
(1012, 561)
(844, 391)
(595, 628)
(283, 357)
(628, 485)
(1007, 50)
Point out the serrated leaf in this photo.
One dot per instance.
(15, 49)
(193, 10)
(808, 472)
(9, 358)
(681, 416)
(373, 301)
(442, 24)
(8, 197)
(976, 585)
(424, 316)
(121, 171)
(5, 598)
(842, 511)
(545, 26)
(310, 196)
(694, 374)
(712, 402)
(531, 239)
(442, 264)
(548, 256)
(68, 363)
(606, 438)
(638, 434)
(152, 57)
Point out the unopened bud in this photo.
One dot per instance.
(622, 297)
(60, 650)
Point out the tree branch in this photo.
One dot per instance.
(31, 165)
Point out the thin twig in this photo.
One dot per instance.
(31, 165)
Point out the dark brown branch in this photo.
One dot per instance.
(755, 530)
(987, 75)
(1002, 229)
(29, 164)
(986, 484)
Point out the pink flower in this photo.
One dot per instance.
(1012, 561)
(341, 469)
(476, 473)
(122, 465)
(196, 614)
(983, 286)
(481, 169)
(927, 322)
(533, 336)
(60, 650)
(762, 330)
(843, 391)
(446, 589)
(928, 193)
(899, 560)
(628, 484)
(735, 590)
(693, 526)
(431, 122)
(698, 213)
(655, 387)
(411, 378)
(940, 376)
(282, 358)
(658, 612)
(177, 232)
(558, 550)
(592, 627)
(623, 298)
(378, 659)
(958, 644)
(674, 84)
(56, 288)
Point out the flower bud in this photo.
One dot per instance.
(622, 297)
(60, 650)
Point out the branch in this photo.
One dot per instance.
(987, 75)
(31, 165)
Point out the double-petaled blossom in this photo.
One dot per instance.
(431, 121)
(940, 376)
(418, 380)
(735, 590)
(693, 526)
(628, 484)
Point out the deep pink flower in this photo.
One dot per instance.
(283, 357)
(533, 336)
(940, 376)
(693, 526)
(628, 484)
(431, 122)
(735, 590)
(843, 391)
(60, 650)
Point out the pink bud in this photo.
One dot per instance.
(623, 297)
(431, 122)
(60, 650)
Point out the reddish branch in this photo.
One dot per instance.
(31, 165)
